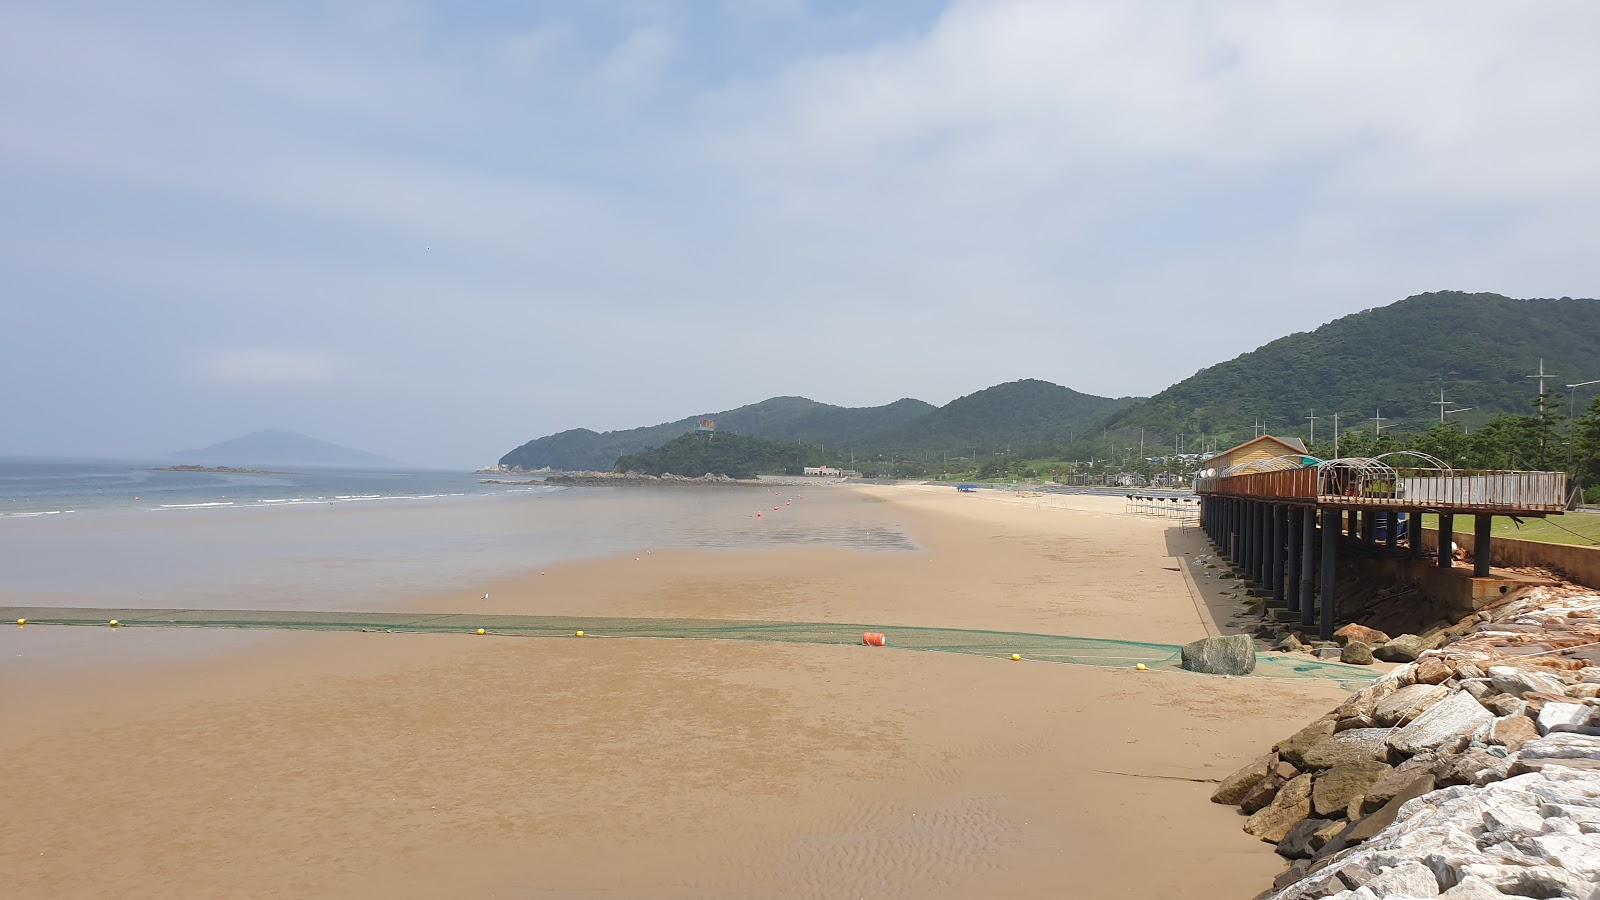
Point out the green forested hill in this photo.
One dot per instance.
(780, 418)
(723, 453)
(1394, 357)
(1019, 414)
(1026, 413)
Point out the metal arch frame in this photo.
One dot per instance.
(1271, 464)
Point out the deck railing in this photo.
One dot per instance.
(1335, 485)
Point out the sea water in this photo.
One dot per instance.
(130, 535)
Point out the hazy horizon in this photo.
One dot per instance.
(434, 233)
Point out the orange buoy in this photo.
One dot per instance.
(874, 639)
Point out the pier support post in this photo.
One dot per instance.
(1308, 563)
(1391, 529)
(1291, 560)
(1369, 528)
(1414, 532)
(1279, 531)
(1237, 522)
(1330, 571)
(1482, 530)
(1447, 536)
(1253, 559)
(1264, 559)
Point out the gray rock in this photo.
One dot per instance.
(1463, 768)
(1234, 788)
(1472, 888)
(1356, 654)
(1355, 745)
(1443, 726)
(1336, 788)
(1408, 879)
(1573, 751)
(1407, 703)
(1405, 648)
(1296, 844)
(1295, 872)
(1563, 717)
(1233, 654)
(1519, 681)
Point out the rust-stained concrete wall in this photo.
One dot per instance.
(1581, 564)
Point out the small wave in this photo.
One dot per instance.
(36, 513)
(212, 505)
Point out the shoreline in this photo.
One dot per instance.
(461, 755)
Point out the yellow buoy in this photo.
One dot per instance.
(1140, 667)
(22, 621)
(1016, 656)
(580, 634)
(113, 623)
(480, 631)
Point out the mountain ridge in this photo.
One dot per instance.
(280, 447)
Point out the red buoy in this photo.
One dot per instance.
(874, 639)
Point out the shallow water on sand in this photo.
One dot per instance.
(366, 555)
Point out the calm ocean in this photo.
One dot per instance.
(125, 535)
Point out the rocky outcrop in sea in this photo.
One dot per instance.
(1472, 772)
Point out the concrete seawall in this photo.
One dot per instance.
(1581, 564)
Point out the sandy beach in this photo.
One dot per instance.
(349, 765)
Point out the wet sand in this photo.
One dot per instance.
(320, 764)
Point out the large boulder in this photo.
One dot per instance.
(1397, 780)
(1561, 750)
(1564, 717)
(1519, 682)
(1338, 787)
(1372, 637)
(1235, 787)
(1385, 815)
(1403, 649)
(1261, 796)
(1400, 707)
(1233, 654)
(1511, 732)
(1446, 725)
(1355, 745)
(1292, 804)
(1433, 670)
(1294, 747)
(1297, 844)
(1356, 653)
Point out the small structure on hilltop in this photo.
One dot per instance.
(706, 425)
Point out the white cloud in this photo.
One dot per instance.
(1444, 98)
(636, 65)
(265, 367)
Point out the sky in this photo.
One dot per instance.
(437, 230)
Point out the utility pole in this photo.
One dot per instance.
(1377, 422)
(1335, 435)
(1541, 376)
(1313, 418)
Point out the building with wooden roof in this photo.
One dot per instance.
(1258, 449)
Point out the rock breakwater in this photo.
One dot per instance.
(1472, 772)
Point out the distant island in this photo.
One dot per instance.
(228, 470)
(275, 447)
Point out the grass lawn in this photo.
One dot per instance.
(1573, 528)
